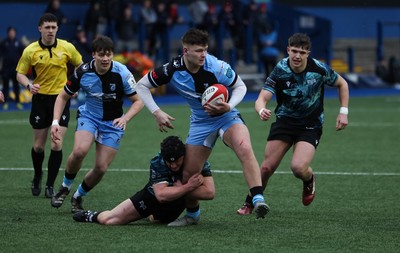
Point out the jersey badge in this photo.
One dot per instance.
(85, 67)
(112, 86)
(176, 64)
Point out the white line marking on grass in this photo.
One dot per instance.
(373, 124)
(342, 173)
(14, 122)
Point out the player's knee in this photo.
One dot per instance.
(299, 170)
(267, 170)
(38, 149)
(78, 154)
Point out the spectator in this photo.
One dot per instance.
(231, 19)
(148, 17)
(1, 97)
(126, 28)
(173, 14)
(10, 51)
(393, 76)
(210, 21)
(161, 27)
(260, 18)
(197, 10)
(82, 44)
(114, 10)
(96, 20)
(54, 7)
(269, 52)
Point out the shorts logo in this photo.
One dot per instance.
(37, 118)
(142, 205)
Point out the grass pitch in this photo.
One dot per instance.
(356, 208)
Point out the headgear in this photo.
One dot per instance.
(172, 148)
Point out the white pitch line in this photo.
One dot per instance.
(340, 173)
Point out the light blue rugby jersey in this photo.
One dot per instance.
(300, 95)
(104, 93)
(192, 85)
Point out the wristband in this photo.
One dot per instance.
(260, 111)
(344, 110)
(55, 123)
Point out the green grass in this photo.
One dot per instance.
(356, 207)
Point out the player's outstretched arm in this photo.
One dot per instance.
(163, 119)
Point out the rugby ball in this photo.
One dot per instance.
(214, 93)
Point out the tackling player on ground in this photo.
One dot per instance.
(163, 197)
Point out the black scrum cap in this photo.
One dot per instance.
(172, 148)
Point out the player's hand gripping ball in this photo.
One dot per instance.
(214, 93)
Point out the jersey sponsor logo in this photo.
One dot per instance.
(131, 81)
(154, 75)
(229, 73)
(165, 69)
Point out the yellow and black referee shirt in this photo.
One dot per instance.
(49, 64)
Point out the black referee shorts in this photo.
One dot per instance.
(42, 111)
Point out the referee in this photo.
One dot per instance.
(48, 58)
